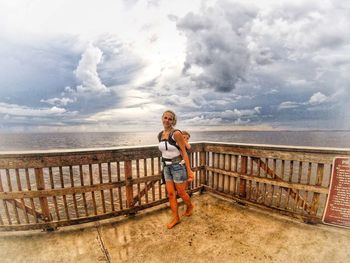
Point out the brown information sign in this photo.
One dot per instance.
(337, 210)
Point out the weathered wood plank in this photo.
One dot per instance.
(286, 153)
(28, 210)
(82, 220)
(273, 175)
(52, 184)
(229, 168)
(138, 197)
(65, 204)
(82, 183)
(12, 202)
(129, 184)
(8, 217)
(159, 170)
(62, 191)
(66, 158)
(19, 187)
(316, 197)
(32, 205)
(153, 188)
(40, 185)
(291, 163)
(110, 190)
(92, 192)
(291, 192)
(250, 183)
(305, 205)
(308, 218)
(284, 184)
(203, 177)
(138, 184)
(101, 191)
(119, 188)
(74, 194)
(145, 175)
(242, 181)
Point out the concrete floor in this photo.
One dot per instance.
(218, 231)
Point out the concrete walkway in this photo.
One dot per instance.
(219, 231)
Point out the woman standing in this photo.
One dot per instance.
(176, 166)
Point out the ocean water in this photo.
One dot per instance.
(50, 141)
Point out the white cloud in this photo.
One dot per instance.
(86, 72)
(241, 113)
(202, 121)
(318, 98)
(297, 82)
(240, 122)
(288, 105)
(180, 100)
(133, 114)
(18, 110)
(58, 101)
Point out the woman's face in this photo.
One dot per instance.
(168, 120)
(186, 137)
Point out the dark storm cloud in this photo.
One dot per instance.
(216, 47)
(119, 66)
(289, 59)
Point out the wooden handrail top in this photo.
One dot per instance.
(288, 148)
(196, 146)
(41, 159)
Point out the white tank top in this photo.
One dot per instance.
(168, 151)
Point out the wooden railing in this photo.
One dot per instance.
(291, 180)
(53, 189)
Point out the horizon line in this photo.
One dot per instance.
(209, 130)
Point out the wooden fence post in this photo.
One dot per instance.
(203, 177)
(243, 182)
(128, 185)
(316, 196)
(40, 184)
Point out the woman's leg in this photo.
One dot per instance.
(181, 190)
(170, 187)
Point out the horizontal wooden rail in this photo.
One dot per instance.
(304, 187)
(56, 224)
(291, 153)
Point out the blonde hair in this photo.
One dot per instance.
(186, 133)
(172, 113)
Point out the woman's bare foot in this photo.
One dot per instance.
(173, 222)
(188, 211)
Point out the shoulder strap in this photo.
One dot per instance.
(171, 140)
(160, 136)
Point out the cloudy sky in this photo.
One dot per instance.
(117, 65)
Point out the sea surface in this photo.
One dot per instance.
(50, 141)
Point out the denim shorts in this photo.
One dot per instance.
(175, 172)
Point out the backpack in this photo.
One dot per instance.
(170, 140)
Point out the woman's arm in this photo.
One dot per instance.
(181, 142)
(187, 145)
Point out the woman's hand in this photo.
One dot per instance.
(190, 175)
